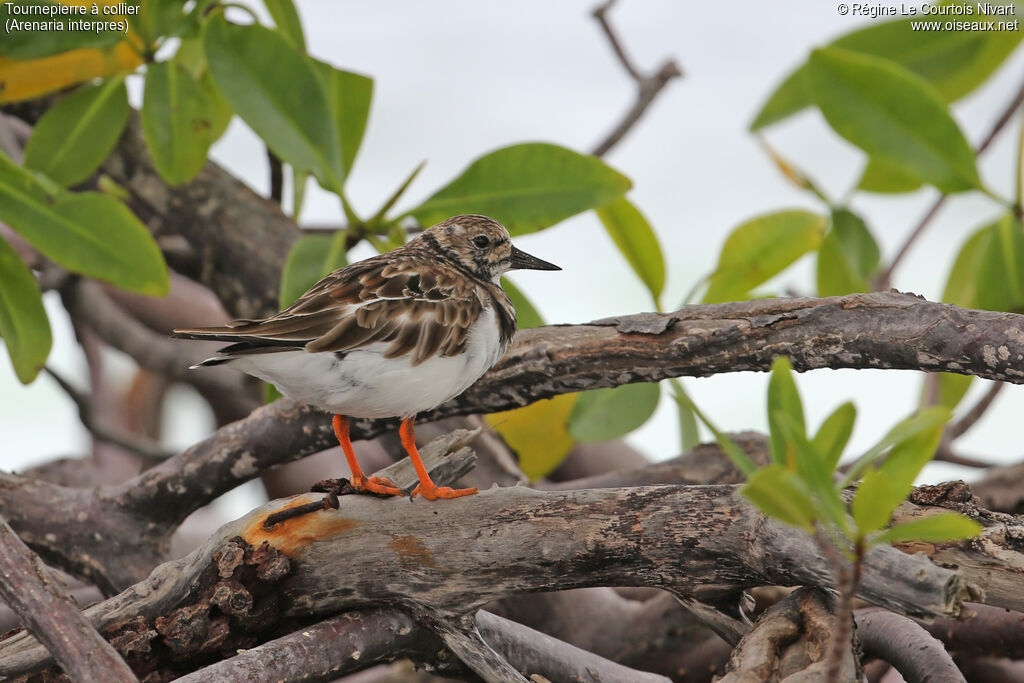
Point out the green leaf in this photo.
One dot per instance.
(161, 18)
(783, 399)
(781, 495)
(23, 323)
(89, 233)
(689, 434)
(220, 110)
(955, 62)
(606, 414)
(1000, 275)
(810, 468)
(527, 187)
(872, 507)
(310, 259)
(893, 114)
(937, 528)
(760, 249)
(907, 428)
(176, 122)
(527, 317)
(56, 33)
(636, 241)
(949, 390)
(74, 136)
(834, 434)
(349, 96)
(273, 87)
(967, 275)
(789, 97)
(906, 460)
(847, 257)
(885, 177)
(287, 21)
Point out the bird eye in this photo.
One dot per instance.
(480, 241)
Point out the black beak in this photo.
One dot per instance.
(523, 261)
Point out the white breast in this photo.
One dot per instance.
(365, 384)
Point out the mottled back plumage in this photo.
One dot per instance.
(420, 299)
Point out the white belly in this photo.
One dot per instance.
(365, 384)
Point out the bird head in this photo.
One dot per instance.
(482, 246)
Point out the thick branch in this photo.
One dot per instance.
(909, 648)
(52, 616)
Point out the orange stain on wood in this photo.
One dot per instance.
(411, 551)
(293, 534)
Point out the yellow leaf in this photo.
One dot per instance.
(26, 79)
(538, 433)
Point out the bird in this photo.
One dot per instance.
(389, 336)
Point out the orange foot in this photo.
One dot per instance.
(377, 485)
(434, 492)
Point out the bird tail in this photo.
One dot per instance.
(210, 362)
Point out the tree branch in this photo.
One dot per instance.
(987, 632)
(910, 649)
(791, 639)
(87, 304)
(961, 426)
(648, 87)
(51, 615)
(138, 444)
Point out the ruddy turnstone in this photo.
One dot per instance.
(389, 336)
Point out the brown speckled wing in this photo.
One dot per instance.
(411, 302)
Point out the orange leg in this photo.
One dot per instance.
(426, 487)
(359, 481)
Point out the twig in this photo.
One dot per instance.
(911, 650)
(276, 177)
(945, 453)
(997, 127)
(139, 444)
(960, 427)
(648, 87)
(51, 615)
